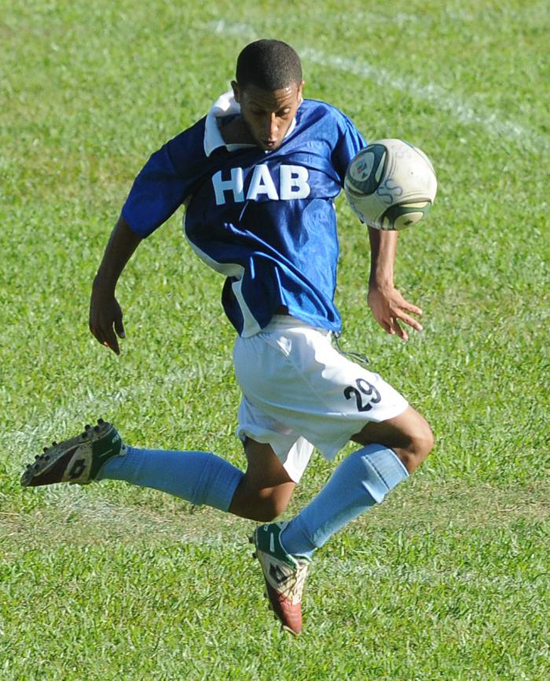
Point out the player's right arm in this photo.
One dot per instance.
(105, 312)
(162, 185)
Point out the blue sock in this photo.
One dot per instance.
(198, 477)
(360, 481)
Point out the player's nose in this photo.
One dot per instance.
(272, 127)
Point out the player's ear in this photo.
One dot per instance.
(300, 92)
(236, 91)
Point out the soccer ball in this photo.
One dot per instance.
(390, 184)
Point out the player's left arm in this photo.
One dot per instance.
(387, 304)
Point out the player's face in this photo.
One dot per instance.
(268, 114)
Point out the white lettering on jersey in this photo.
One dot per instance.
(262, 183)
(293, 184)
(235, 185)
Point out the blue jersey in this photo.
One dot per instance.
(264, 219)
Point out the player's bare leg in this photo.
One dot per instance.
(266, 487)
(408, 435)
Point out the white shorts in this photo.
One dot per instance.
(299, 392)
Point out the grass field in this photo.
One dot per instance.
(450, 578)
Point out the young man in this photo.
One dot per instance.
(258, 176)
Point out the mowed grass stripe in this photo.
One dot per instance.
(418, 504)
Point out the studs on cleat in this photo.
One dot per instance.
(53, 463)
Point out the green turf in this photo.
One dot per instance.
(450, 579)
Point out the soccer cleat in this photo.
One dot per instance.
(284, 575)
(77, 460)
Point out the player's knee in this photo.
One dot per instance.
(269, 505)
(262, 505)
(264, 515)
(423, 440)
(420, 444)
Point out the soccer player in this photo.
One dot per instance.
(258, 176)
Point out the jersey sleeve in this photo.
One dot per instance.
(349, 144)
(164, 183)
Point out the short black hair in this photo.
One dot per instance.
(269, 65)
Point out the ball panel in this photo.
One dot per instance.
(404, 215)
(366, 169)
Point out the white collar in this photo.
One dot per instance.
(225, 106)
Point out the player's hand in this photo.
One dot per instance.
(106, 319)
(389, 308)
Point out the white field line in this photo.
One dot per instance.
(529, 17)
(353, 568)
(87, 406)
(442, 99)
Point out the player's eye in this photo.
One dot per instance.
(279, 114)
